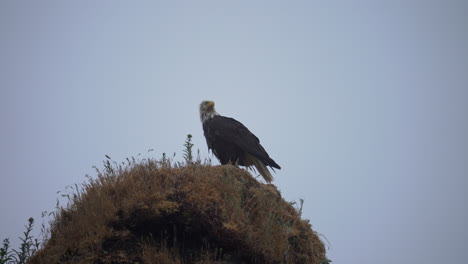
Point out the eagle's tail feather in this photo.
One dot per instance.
(262, 169)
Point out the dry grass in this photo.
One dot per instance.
(152, 213)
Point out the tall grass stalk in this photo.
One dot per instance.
(5, 253)
(188, 150)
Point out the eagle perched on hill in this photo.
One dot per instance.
(231, 142)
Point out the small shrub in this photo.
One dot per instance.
(188, 149)
(27, 248)
(5, 253)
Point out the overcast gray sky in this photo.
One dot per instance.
(362, 103)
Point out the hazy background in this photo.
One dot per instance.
(363, 103)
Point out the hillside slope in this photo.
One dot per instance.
(151, 213)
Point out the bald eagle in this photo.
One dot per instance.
(231, 142)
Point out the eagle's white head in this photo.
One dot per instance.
(207, 110)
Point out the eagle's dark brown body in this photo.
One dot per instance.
(232, 142)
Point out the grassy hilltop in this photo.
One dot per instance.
(152, 212)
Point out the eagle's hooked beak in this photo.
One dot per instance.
(211, 104)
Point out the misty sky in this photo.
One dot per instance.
(363, 104)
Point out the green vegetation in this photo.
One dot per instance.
(161, 211)
(27, 248)
(5, 253)
(188, 149)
